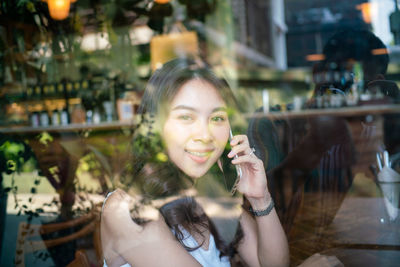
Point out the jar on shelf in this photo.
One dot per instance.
(78, 114)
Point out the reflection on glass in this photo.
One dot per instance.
(188, 111)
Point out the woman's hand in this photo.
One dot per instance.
(253, 183)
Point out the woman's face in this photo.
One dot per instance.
(197, 127)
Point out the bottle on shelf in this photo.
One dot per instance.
(37, 91)
(60, 89)
(44, 118)
(96, 116)
(46, 90)
(69, 88)
(89, 116)
(108, 109)
(64, 117)
(52, 90)
(35, 120)
(55, 117)
(29, 92)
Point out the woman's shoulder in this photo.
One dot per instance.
(120, 232)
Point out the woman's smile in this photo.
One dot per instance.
(199, 156)
(197, 127)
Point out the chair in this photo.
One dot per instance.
(25, 244)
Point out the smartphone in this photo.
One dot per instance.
(239, 171)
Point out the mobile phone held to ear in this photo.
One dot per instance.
(238, 168)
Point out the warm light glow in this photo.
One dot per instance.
(169, 46)
(161, 1)
(59, 9)
(366, 11)
(315, 57)
(379, 51)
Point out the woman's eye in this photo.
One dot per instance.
(218, 119)
(185, 117)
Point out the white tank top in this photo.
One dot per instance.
(207, 258)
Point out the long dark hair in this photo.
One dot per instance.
(188, 214)
(154, 174)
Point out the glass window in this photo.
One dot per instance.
(224, 118)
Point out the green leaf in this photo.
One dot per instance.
(53, 170)
(45, 138)
(11, 165)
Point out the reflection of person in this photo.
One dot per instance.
(191, 110)
(320, 152)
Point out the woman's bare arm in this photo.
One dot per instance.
(264, 242)
(124, 241)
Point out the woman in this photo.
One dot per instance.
(191, 107)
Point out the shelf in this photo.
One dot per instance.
(339, 112)
(104, 126)
(109, 126)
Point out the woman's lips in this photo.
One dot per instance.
(199, 156)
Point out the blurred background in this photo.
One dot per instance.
(316, 80)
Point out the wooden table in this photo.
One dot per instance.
(360, 234)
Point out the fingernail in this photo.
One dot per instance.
(230, 154)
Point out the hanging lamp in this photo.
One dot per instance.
(59, 9)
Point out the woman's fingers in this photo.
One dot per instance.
(240, 145)
(247, 159)
(239, 139)
(253, 183)
(239, 149)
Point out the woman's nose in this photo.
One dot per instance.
(202, 132)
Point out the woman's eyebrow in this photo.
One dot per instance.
(184, 107)
(219, 109)
(194, 109)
